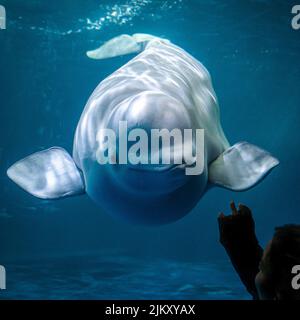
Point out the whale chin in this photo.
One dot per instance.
(147, 197)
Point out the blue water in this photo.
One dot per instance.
(69, 248)
(114, 276)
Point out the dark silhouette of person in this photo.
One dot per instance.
(266, 274)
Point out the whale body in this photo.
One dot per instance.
(162, 87)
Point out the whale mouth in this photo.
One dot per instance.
(155, 167)
(149, 178)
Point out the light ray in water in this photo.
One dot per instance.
(114, 14)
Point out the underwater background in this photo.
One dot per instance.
(70, 249)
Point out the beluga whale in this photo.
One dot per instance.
(163, 88)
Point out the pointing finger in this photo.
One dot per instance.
(233, 208)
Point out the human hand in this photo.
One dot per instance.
(237, 226)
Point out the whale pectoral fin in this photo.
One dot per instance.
(241, 167)
(48, 174)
